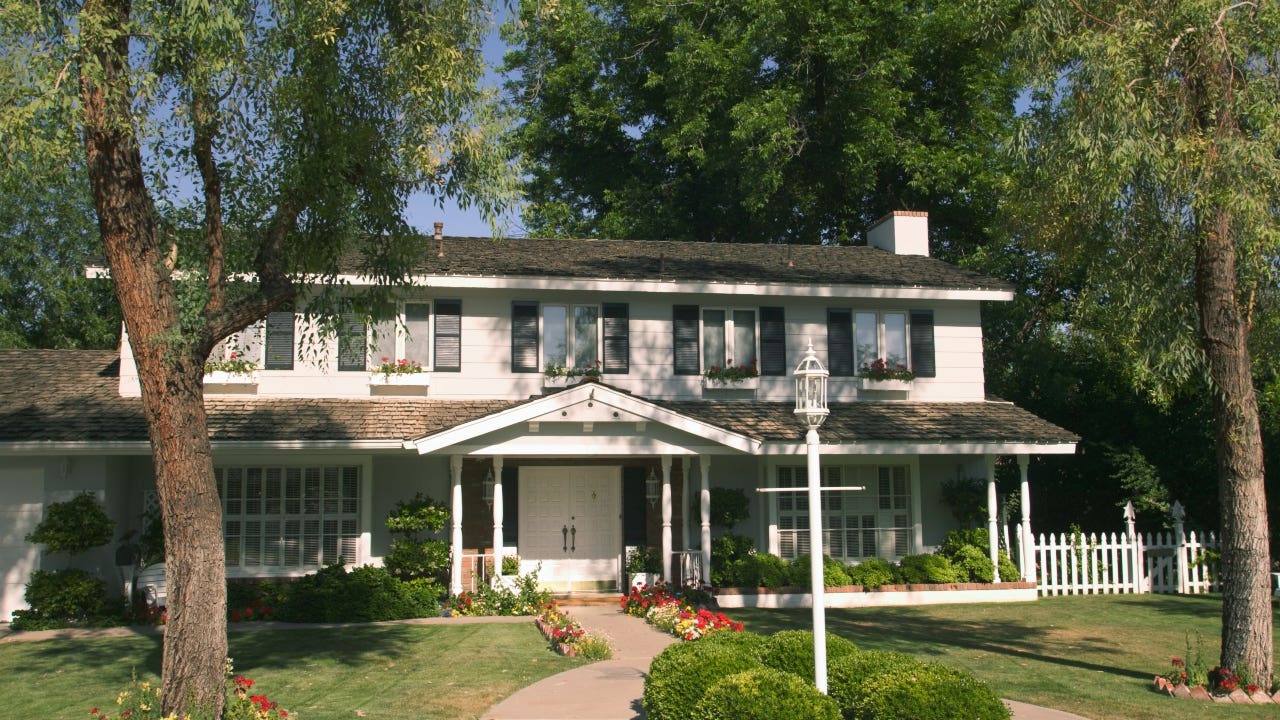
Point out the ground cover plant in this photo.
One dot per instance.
(375, 672)
(1091, 655)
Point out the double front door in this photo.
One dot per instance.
(571, 523)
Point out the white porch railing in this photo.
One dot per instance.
(688, 564)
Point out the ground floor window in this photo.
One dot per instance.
(856, 525)
(289, 517)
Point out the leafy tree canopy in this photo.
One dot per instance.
(768, 120)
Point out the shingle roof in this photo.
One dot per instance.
(72, 395)
(863, 422)
(693, 261)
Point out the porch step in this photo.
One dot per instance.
(583, 598)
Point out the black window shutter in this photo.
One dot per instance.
(773, 341)
(448, 336)
(685, 351)
(840, 342)
(617, 338)
(352, 339)
(279, 341)
(922, 354)
(524, 337)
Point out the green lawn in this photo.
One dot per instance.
(397, 671)
(1094, 656)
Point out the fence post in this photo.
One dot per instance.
(1179, 546)
(1130, 532)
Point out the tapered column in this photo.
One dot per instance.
(684, 502)
(455, 540)
(704, 502)
(667, 575)
(497, 516)
(993, 539)
(1025, 542)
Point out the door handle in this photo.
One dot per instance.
(564, 532)
(573, 532)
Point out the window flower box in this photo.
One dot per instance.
(417, 379)
(750, 383)
(884, 385)
(227, 377)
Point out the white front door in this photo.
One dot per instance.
(570, 523)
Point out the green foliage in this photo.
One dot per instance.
(967, 498)
(681, 673)
(365, 594)
(726, 552)
(792, 651)
(848, 677)
(644, 559)
(776, 120)
(522, 596)
(764, 694)
(74, 526)
(61, 597)
(755, 570)
(411, 554)
(973, 565)
(729, 506)
(872, 573)
(930, 569)
(1141, 479)
(834, 572)
(925, 691)
(151, 539)
(1008, 571)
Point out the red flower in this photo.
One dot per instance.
(93, 711)
(243, 682)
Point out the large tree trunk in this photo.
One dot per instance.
(1246, 577)
(169, 370)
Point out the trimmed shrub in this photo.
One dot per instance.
(927, 692)
(973, 564)
(833, 572)
(63, 597)
(792, 651)
(956, 539)
(871, 573)
(727, 551)
(847, 674)
(757, 570)
(927, 569)
(74, 526)
(1008, 571)
(366, 594)
(764, 694)
(681, 673)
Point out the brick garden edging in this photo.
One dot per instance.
(1258, 697)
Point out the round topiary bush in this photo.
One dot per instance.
(911, 691)
(973, 564)
(680, 674)
(846, 674)
(764, 694)
(792, 651)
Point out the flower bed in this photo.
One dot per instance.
(684, 616)
(1219, 684)
(567, 636)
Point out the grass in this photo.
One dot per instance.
(385, 671)
(1090, 655)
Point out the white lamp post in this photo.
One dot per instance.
(811, 406)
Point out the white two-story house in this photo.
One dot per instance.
(312, 450)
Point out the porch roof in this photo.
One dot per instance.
(69, 398)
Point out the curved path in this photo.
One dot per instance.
(612, 689)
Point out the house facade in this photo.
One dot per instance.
(572, 403)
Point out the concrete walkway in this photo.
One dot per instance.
(612, 690)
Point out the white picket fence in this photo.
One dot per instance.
(1078, 564)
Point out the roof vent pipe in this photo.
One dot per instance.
(439, 238)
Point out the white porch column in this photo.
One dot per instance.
(993, 540)
(684, 502)
(1026, 542)
(455, 540)
(666, 519)
(704, 497)
(497, 516)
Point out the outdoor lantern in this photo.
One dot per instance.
(811, 389)
(488, 488)
(652, 488)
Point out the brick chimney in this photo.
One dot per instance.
(901, 232)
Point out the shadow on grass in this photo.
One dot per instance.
(921, 633)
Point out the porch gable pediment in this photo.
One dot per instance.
(589, 406)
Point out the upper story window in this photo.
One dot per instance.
(407, 336)
(856, 339)
(570, 336)
(706, 337)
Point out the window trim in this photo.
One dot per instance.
(730, 351)
(569, 333)
(401, 329)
